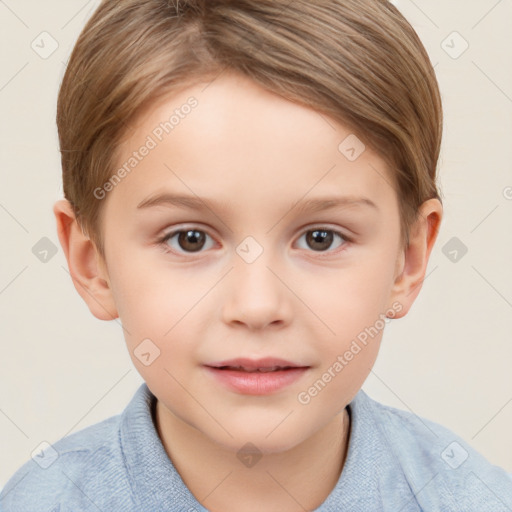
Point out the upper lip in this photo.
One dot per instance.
(256, 364)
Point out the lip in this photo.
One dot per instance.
(256, 364)
(244, 375)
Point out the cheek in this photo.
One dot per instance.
(348, 298)
(159, 302)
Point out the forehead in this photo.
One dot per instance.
(242, 143)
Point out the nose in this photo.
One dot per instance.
(255, 296)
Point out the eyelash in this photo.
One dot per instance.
(163, 241)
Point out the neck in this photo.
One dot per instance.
(298, 479)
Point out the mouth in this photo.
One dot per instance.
(253, 370)
(256, 365)
(256, 377)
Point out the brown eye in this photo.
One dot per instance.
(188, 241)
(192, 240)
(320, 240)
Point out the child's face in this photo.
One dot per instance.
(211, 297)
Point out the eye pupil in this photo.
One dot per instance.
(191, 240)
(320, 236)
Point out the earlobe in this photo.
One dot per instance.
(415, 258)
(84, 262)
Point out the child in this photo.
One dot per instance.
(294, 146)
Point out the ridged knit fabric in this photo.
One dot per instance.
(396, 462)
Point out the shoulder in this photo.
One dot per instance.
(75, 469)
(442, 469)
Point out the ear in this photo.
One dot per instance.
(86, 266)
(414, 258)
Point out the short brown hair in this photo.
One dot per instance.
(358, 61)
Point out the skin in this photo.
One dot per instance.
(295, 301)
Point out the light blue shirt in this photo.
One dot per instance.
(396, 461)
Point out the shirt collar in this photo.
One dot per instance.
(155, 482)
(368, 468)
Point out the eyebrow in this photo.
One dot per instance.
(328, 203)
(311, 205)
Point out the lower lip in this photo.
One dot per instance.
(257, 383)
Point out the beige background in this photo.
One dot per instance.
(449, 360)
